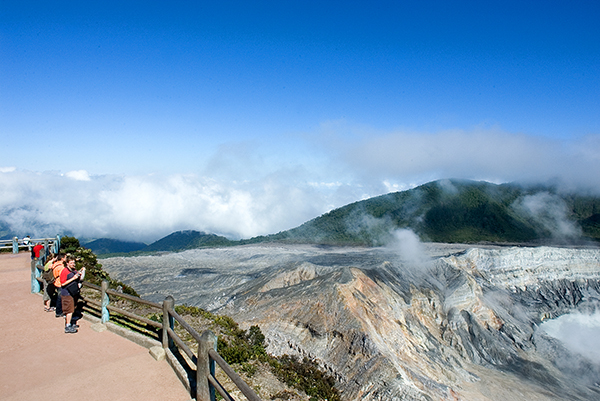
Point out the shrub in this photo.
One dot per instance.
(305, 375)
(69, 244)
(246, 348)
(93, 270)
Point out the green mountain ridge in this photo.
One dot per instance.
(188, 239)
(453, 211)
(457, 211)
(176, 241)
(107, 245)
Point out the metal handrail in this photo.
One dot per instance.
(16, 244)
(38, 263)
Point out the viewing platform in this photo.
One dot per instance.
(40, 361)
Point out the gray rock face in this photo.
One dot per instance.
(454, 323)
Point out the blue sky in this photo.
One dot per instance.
(246, 118)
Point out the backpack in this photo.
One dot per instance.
(48, 276)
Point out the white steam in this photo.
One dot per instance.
(579, 333)
(409, 248)
(549, 212)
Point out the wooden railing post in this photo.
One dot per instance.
(206, 366)
(105, 301)
(168, 322)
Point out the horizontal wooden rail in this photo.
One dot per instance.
(134, 316)
(182, 345)
(235, 378)
(134, 299)
(215, 383)
(91, 301)
(185, 325)
(92, 286)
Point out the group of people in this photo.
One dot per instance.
(62, 282)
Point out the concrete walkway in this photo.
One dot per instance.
(38, 361)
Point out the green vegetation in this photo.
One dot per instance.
(305, 375)
(246, 349)
(174, 242)
(455, 211)
(93, 270)
(439, 211)
(182, 240)
(104, 246)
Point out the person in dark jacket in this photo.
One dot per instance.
(69, 287)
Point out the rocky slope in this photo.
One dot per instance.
(446, 322)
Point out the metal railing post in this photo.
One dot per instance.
(168, 322)
(57, 245)
(44, 256)
(205, 367)
(105, 301)
(35, 273)
(15, 245)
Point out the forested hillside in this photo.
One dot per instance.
(457, 211)
(454, 211)
(189, 239)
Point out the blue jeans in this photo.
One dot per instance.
(58, 303)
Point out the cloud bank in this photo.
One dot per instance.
(241, 198)
(484, 154)
(148, 207)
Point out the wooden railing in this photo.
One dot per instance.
(203, 383)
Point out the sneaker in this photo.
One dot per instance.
(70, 329)
(63, 315)
(75, 325)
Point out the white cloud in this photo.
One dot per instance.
(491, 155)
(7, 169)
(151, 206)
(243, 195)
(79, 175)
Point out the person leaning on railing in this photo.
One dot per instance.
(26, 241)
(69, 283)
(49, 288)
(57, 267)
(35, 252)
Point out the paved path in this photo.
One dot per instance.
(38, 361)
